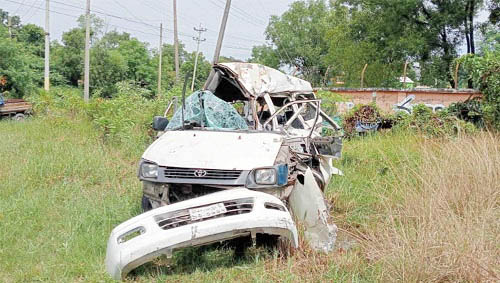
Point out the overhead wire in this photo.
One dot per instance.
(71, 7)
(30, 8)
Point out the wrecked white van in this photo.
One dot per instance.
(248, 155)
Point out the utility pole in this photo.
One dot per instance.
(160, 59)
(198, 40)
(86, 79)
(9, 24)
(47, 48)
(176, 42)
(221, 31)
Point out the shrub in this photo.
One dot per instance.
(364, 113)
(430, 124)
(484, 71)
(126, 118)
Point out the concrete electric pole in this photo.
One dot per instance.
(86, 78)
(221, 32)
(198, 40)
(160, 49)
(176, 42)
(47, 48)
(9, 24)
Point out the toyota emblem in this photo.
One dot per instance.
(200, 173)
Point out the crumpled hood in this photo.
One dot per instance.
(215, 149)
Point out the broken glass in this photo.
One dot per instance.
(205, 109)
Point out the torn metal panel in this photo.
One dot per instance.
(308, 205)
(199, 221)
(256, 79)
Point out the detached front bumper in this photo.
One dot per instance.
(216, 217)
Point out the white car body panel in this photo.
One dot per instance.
(258, 79)
(122, 257)
(309, 206)
(215, 149)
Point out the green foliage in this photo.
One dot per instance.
(430, 124)
(300, 39)
(109, 68)
(202, 70)
(265, 55)
(361, 113)
(329, 101)
(124, 119)
(484, 71)
(17, 67)
(67, 59)
(333, 40)
(469, 111)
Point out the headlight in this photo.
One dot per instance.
(149, 170)
(265, 176)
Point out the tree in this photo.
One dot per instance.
(265, 55)
(34, 38)
(108, 68)
(299, 36)
(17, 67)
(484, 71)
(202, 72)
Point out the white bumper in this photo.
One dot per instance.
(262, 216)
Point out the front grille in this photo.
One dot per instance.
(182, 217)
(191, 173)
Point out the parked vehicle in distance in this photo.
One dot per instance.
(16, 109)
(245, 157)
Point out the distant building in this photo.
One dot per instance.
(406, 82)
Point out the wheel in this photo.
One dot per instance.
(19, 117)
(146, 204)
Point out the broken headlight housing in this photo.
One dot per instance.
(149, 170)
(275, 176)
(265, 176)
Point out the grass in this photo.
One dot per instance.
(63, 188)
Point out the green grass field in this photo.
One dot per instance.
(63, 189)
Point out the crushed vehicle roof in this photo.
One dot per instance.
(258, 79)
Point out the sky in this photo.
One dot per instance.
(141, 18)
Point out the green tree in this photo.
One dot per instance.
(299, 37)
(202, 70)
(484, 72)
(17, 66)
(265, 55)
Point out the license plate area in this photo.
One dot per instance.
(207, 211)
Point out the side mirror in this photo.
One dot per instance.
(159, 123)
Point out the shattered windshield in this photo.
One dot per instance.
(205, 109)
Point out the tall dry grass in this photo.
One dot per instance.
(448, 227)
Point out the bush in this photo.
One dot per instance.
(364, 113)
(17, 69)
(430, 124)
(469, 111)
(484, 71)
(126, 118)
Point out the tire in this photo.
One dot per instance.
(146, 204)
(19, 117)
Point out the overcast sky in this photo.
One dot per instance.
(141, 18)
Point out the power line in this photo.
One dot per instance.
(128, 11)
(30, 9)
(109, 15)
(19, 7)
